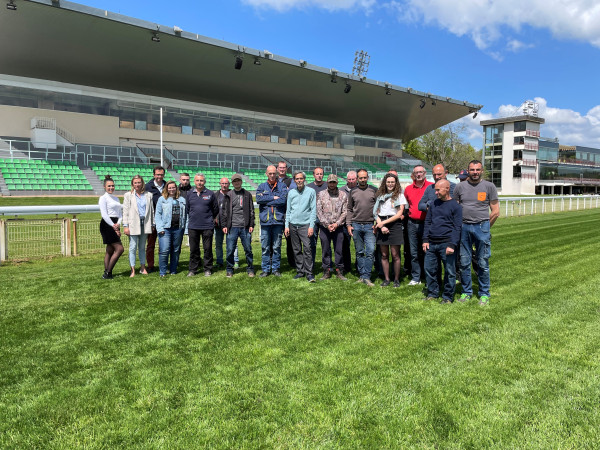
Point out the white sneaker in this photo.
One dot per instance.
(414, 283)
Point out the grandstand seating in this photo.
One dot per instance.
(123, 173)
(377, 167)
(213, 175)
(40, 175)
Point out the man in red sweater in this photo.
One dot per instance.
(416, 223)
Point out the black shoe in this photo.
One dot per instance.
(385, 283)
(107, 275)
(229, 274)
(277, 273)
(298, 276)
(396, 283)
(191, 274)
(264, 274)
(310, 278)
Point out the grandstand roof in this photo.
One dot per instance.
(73, 43)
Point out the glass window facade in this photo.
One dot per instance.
(492, 155)
(146, 116)
(520, 126)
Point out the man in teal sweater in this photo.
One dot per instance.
(300, 223)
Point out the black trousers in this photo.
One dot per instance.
(327, 237)
(207, 238)
(347, 255)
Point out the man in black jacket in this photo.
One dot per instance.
(155, 186)
(237, 215)
(202, 209)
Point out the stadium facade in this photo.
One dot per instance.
(87, 85)
(521, 162)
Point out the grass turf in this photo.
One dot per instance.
(217, 362)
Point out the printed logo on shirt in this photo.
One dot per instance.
(206, 197)
(481, 196)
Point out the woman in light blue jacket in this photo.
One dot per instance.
(171, 223)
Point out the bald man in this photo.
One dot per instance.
(441, 237)
(439, 172)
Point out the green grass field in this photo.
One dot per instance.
(260, 363)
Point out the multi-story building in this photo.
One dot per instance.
(520, 162)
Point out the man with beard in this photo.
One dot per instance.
(479, 200)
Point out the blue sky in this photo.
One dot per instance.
(498, 53)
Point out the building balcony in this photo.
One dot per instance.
(532, 133)
(529, 162)
(534, 147)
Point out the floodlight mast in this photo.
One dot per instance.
(361, 63)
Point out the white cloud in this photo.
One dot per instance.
(492, 24)
(570, 127)
(487, 22)
(515, 45)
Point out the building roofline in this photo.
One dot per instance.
(512, 119)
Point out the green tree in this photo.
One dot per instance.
(447, 145)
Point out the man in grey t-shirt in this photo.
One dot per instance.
(479, 199)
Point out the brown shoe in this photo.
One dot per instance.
(326, 275)
(340, 275)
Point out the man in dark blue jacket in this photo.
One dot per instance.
(202, 209)
(441, 237)
(271, 197)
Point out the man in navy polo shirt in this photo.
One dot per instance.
(202, 209)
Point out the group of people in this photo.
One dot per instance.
(439, 224)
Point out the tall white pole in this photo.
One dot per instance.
(162, 162)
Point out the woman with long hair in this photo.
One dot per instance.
(171, 222)
(388, 213)
(110, 226)
(138, 221)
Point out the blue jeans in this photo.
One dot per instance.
(364, 242)
(219, 237)
(417, 257)
(270, 242)
(232, 238)
(169, 245)
(435, 254)
(135, 243)
(477, 234)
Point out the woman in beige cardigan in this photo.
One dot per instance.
(138, 221)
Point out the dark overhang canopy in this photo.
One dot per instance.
(67, 42)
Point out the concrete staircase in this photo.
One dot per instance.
(3, 188)
(92, 178)
(248, 183)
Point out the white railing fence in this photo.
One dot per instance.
(22, 239)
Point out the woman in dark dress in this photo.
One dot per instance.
(110, 226)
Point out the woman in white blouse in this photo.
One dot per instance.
(388, 212)
(138, 221)
(110, 226)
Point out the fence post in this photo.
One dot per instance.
(74, 220)
(66, 237)
(532, 206)
(3, 241)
